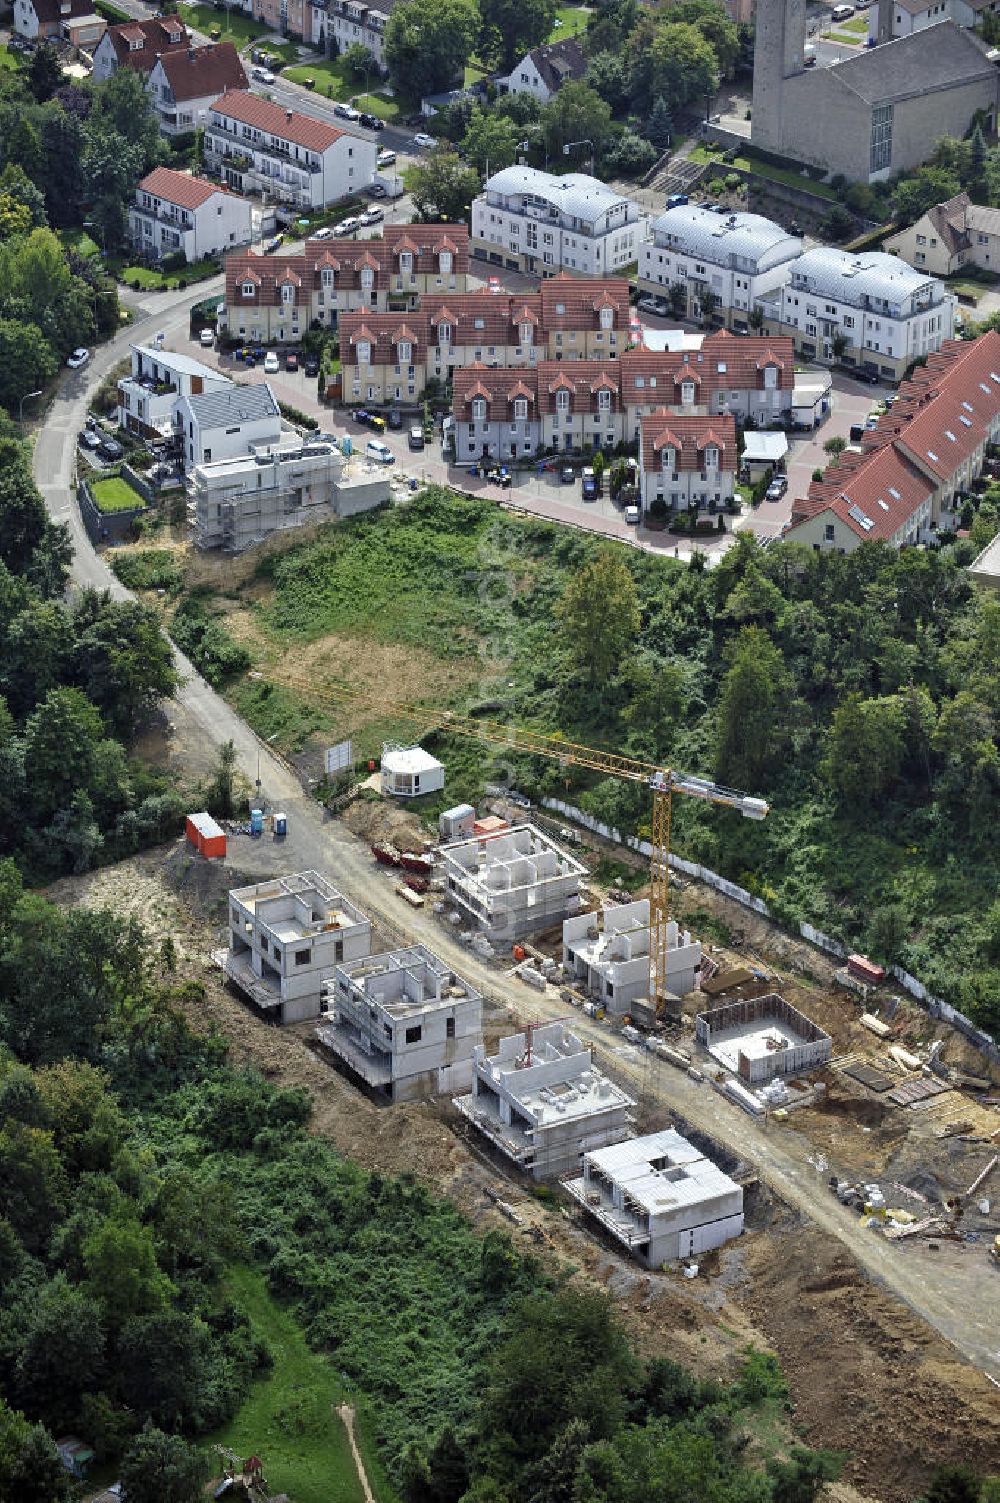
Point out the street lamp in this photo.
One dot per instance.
(26, 398)
(570, 144)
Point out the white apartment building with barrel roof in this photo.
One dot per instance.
(534, 222)
(738, 258)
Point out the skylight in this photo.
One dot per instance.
(933, 456)
(995, 377)
(859, 516)
(894, 493)
(884, 504)
(949, 435)
(722, 367)
(964, 420)
(968, 406)
(984, 387)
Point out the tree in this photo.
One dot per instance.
(428, 43)
(835, 447)
(751, 709)
(599, 615)
(677, 298)
(442, 186)
(575, 113)
(160, 1468)
(27, 361)
(672, 61)
(510, 28)
(60, 741)
(122, 1272)
(800, 1478)
(61, 1355)
(221, 792)
(712, 20)
(928, 186)
(122, 660)
(865, 749)
(755, 318)
(609, 75)
(30, 1468)
(660, 125)
(15, 217)
(62, 148)
(490, 141)
(44, 72)
(978, 188)
(359, 62)
(629, 155)
(708, 301)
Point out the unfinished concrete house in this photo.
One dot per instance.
(402, 1023)
(240, 500)
(286, 937)
(762, 1037)
(543, 1103)
(607, 954)
(513, 883)
(660, 1197)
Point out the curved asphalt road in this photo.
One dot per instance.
(947, 1292)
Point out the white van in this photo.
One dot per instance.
(379, 452)
(842, 12)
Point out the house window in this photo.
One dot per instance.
(287, 293)
(364, 352)
(367, 279)
(562, 401)
(413, 1035)
(711, 458)
(828, 532)
(406, 263)
(449, 1028)
(527, 334)
(521, 409)
(687, 392)
(604, 399)
(249, 289)
(444, 263)
(444, 333)
(302, 957)
(405, 352)
(478, 408)
(607, 317)
(881, 142)
(327, 277)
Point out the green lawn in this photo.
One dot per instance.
(288, 1418)
(334, 81)
(8, 60)
(78, 240)
(858, 24)
(150, 278)
(570, 21)
(749, 162)
(237, 28)
(112, 493)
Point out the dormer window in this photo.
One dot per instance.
(711, 457)
(444, 333)
(479, 323)
(135, 44)
(364, 352)
(520, 408)
(367, 279)
(562, 400)
(478, 409)
(607, 318)
(604, 399)
(527, 333)
(406, 263)
(687, 392)
(249, 289)
(326, 277)
(445, 263)
(770, 377)
(560, 307)
(287, 292)
(668, 456)
(405, 352)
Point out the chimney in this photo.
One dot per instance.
(289, 114)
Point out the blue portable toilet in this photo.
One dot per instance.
(256, 821)
(346, 446)
(280, 826)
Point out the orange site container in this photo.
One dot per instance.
(205, 835)
(492, 824)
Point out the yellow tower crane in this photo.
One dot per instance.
(663, 783)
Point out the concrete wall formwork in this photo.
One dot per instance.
(814, 1049)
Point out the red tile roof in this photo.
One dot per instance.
(725, 362)
(289, 125)
(690, 435)
(346, 258)
(49, 11)
(384, 332)
(500, 388)
(873, 494)
(581, 299)
(179, 187)
(483, 318)
(581, 378)
(204, 72)
(158, 37)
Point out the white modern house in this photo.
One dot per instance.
(513, 883)
(403, 1023)
(257, 146)
(881, 313)
(737, 257)
(659, 1197)
(286, 937)
(607, 955)
(174, 211)
(409, 772)
(533, 222)
(222, 424)
(184, 83)
(543, 1103)
(158, 381)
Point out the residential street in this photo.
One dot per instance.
(950, 1301)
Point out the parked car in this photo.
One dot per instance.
(371, 216)
(395, 419)
(415, 437)
(379, 452)
(361, 415)
(270, 246)
(109, 448)
(78, 359)
(311, 365)
(89, 438)
(676, 200)
(650, 304)
(262, 75)
(385, 159)
(632, 515)
(776, 489)
(291, 361)
(325, 233)
(371, 122)
(842, 12)
(270, 363)
(346, 112)
(377, 190)
(422, 140)
(376, 422)
(347, 226)
(589, 483)
(207, 338)
(566, 474)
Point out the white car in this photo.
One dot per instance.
(326, 233)
(422, 140)
(372, 216)
(385, 159)
(77, 359)
(270, 364)
(376, 450)
(207, 338)
(347, 112)
(347, 226)
(632, 516)
(262, 75)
